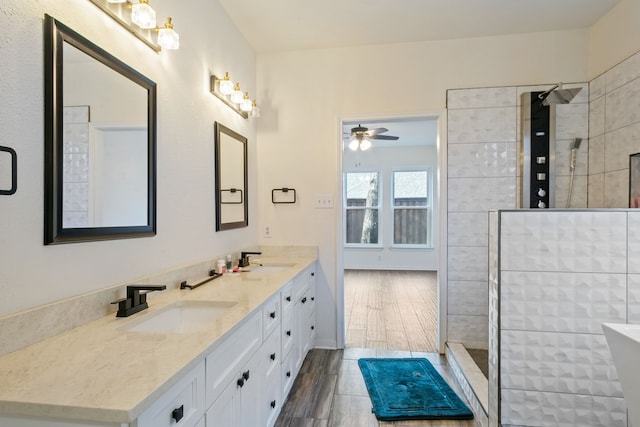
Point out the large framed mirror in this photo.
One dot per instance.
(100, 142)
(231, 179)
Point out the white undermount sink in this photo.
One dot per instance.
(181, 317)
(270, 268)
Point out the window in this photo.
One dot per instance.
(362, 194)
(411, 203)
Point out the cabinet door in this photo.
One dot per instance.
(226, 409)
(250, 393)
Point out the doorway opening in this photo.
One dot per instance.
(389, 237)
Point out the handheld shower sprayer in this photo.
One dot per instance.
(572, 166)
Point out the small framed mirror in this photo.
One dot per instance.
(100, 143)
(231, 179)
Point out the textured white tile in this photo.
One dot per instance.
(619, 144)
(623, 73)
(529, 408)
(596, 154)
(481, 98)
(482, 125)
(491, 159)
(467, 229)
(616, 189)
(481, 194)
(472, 331)
(572, 120)
(622, 106)
(634, 298)
(468, 297)
(75, 197)
(558, 362)
(578, 193)
(564, 241)
(75, 114)
(634, 241)
(563, 156)
(562, 302)
(597, 87)
(467, 263)
(596, 191)
(596, 117)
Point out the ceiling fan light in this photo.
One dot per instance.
(353, 145)
(365, 144)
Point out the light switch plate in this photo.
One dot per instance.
(324, 201)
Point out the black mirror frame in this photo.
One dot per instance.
(55, 35)
(220, 226)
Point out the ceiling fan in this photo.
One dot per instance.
(361, 137)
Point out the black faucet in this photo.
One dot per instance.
(135, 301)
(244, 258)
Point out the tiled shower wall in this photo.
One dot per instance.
(614, 125)
(560, 275)
(483, 148)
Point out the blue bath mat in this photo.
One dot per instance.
(410, 389)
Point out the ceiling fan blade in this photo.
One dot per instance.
(376, 131)
(387, 137)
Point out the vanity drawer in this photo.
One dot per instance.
(287, 299)
(288, 374)
(271, 355)
(181, 406)
(272, 400)
(301, 284)
(288, 334)
(271, 315)
(226, 360)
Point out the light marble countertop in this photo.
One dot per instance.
(97, 372)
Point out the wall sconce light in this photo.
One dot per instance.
(139, 18)
(231, 94)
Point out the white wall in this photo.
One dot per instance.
(32, 274)
(304, 94)
(386, 160)
(614, 37)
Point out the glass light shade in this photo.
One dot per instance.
(237, 96)
(246, 104)
(167, 38)
(353, 145)
(116, 1)
(143, 15)
(255, 110)
(365, 144)
(225, 86)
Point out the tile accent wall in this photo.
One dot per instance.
(75, 209)
(614, 126)
(483, 149)
(560, 275)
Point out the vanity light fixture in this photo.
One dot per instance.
(143, 15)
(139, 18)
(230, 93)
(167, 38)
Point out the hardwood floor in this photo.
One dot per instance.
(392, 310)
(330, 392)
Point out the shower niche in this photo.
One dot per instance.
(539, 165)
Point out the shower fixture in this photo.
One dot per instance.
(558, 95)
(572, 166)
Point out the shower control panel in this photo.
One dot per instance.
(538, 149)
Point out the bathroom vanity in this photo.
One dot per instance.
(234, 370)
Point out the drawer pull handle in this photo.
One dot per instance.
(273, 404)
(288, 298)
(245, 375)
(313, 274)
(304, 300)
(272, 314)
(312, 327)
(178, 413)
(240, 382)
(288, 374)
(273, 356)
(313, 298)
(289, 333)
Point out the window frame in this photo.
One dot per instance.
(379, 208)
(428, 208)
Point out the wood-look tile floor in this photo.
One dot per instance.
(330, 392)
(392, 310)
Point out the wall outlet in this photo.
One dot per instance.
(324, 201)
(267, 232)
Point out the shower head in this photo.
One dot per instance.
(576, 143)
(557, 95)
